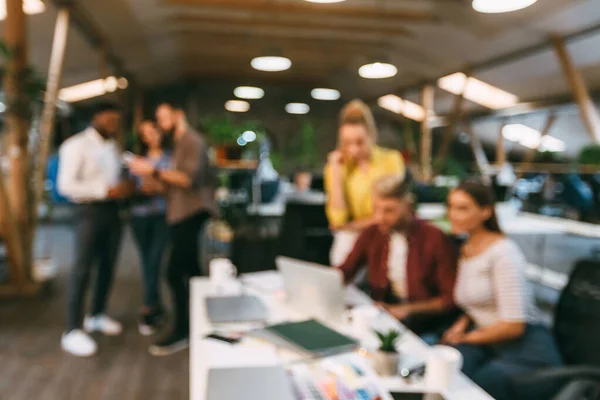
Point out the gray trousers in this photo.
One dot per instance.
(97, 242)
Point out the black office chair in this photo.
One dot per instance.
(577, 333)
(305, 232)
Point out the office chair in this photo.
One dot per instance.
(576, 330)
(305, 232)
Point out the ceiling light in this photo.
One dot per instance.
(249, 136)
(377, 70)
(30, 7)
(325, 94)
(297, 108)
(237, 106)
(111, 84)
(241, 141)
(249, 92)
(91, 89)
(403, 107)
(532, 138)
(122, 83)
(477, 91)
(501, 6)
(271, 63)
(552, 144)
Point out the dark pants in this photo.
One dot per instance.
(494, 367)
(97, 242)
(151, 234)
(184, 264)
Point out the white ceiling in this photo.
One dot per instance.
(161, 42)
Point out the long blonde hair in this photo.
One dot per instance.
(357, 112)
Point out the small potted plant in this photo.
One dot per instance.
(386, 359)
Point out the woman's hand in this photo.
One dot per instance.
(457, 332)
(335, 159)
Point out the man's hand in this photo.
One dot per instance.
(122, 190)
(141, 167)
(398, 311)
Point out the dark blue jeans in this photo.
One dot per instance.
(494, 367)
(151, 234)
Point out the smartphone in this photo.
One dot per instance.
(127, 156)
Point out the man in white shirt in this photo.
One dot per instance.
(89, 175)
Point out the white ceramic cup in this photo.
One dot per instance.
(221, 271)
(362, 320)
(443, 365)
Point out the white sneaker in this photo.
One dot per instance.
(104, 324)
(78, 343)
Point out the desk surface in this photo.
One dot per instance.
(207, 353)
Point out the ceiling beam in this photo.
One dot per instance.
(313, 9)
(92, 34)
(287, 23)
(508, 57)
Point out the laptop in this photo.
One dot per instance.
(264, 383)
(235, 309)
(314, 290)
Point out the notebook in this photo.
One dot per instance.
(308, 336)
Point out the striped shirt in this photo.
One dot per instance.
(491, 287)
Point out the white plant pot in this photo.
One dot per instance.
(386, 364)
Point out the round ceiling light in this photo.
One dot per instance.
(271, 63)
(249, 92)
(111, 84)
(325, 94)
(500, 6)
(297, 108)
(237, 106)
(377, 70)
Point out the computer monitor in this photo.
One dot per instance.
(314, 290)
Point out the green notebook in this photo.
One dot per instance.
(310, 336)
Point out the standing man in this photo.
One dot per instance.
(90, 175)
(190, 202)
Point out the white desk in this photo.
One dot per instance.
(206, 353)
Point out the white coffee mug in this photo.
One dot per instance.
(221, 270)
(443, 365)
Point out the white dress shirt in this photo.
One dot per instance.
(397, 257)
(89, 166)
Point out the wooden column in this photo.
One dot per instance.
(427, 99)
(455, 118)
(59, 46)
(17, 132)
(530, 155)
(589, 112)
(500, 147)
(138, 115)
(483, 164)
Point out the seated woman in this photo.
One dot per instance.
(499, 336)
(411, 264)
(350, 173)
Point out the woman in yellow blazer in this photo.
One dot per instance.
(350, 173)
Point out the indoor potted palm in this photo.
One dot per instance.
(386, 359)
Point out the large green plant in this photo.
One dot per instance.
(224, 130)
(299, 152)
(589, 155)
(30, 82)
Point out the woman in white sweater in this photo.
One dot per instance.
(499, 335)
